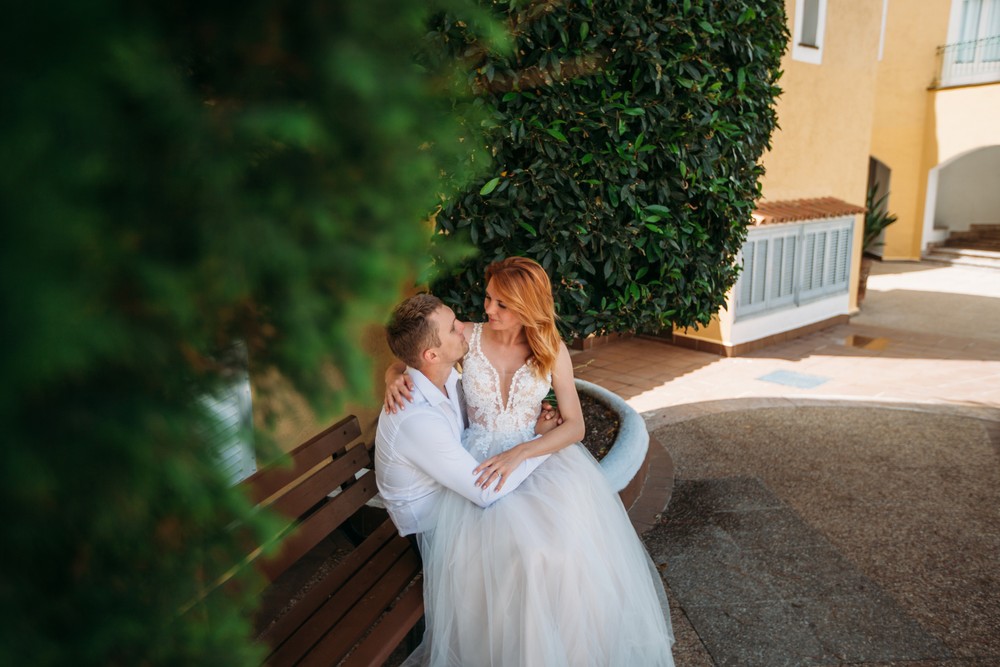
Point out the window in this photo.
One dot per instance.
(809, 28)
(972, 54)
(979, 30)
(788, 265)
(768, 278)
(810, 24)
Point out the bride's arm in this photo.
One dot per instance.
(398, 386)
(569, 431)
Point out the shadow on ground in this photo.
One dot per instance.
(835, 534)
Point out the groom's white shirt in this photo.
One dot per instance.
(419, 455)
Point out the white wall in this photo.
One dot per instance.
(968, 190)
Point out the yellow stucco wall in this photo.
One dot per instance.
(834, 115)
(711, 332)
(821, 148)
(825, 118)
(825, 115)
(914, 30)
(965, 119)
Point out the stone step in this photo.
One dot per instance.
(975, 235)
(966, 251)
(979, 229)
(984, 245)
(976, 232)
(964, 256)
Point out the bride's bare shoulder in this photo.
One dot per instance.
(467, 329)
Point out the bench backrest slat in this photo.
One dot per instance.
(313, 489)
(314, 528)
(318, 493)
(266, 482)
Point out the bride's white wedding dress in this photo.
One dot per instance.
(551, 575)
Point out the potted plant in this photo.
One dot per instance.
(877, 218)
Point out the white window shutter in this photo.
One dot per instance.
(231, 432)
(787, 265)
(745, 284)
(782, 272)
(760, 272)
(809, 255)
(843, 273)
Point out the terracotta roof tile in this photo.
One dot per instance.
(793, 210)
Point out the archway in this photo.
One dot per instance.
(962, 192)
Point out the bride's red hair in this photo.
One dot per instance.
(525, 289)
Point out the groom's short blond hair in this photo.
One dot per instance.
(409, 331)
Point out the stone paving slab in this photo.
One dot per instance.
(785, 596)
(830, 535)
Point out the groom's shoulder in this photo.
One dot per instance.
(418, 409)
(398, 432)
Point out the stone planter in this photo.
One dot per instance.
(627, 461)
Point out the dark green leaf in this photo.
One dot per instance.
(490, 186)
(557, 134)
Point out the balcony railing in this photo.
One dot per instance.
(966, 63)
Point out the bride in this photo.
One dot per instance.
(553, 574)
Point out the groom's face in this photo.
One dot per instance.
(449, 330)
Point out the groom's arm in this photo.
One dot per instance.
(428, 442)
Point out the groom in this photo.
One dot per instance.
(418, 451)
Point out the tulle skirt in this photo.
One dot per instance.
(550, 575)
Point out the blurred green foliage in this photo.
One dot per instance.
(174, 177)
(625, 136)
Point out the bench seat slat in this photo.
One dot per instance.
(376, 648)
(321, 523)
(281, 629)
(382, 564)
(369, 601)
(346, 633)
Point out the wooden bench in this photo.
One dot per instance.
(363, 608)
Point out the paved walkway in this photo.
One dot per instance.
(836, 497)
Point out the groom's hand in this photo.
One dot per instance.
(497, 469)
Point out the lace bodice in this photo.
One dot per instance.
(506, 425)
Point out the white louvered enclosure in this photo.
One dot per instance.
(794, 274)
(791, 264)
(231, 431)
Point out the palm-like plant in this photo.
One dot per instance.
(877, 218)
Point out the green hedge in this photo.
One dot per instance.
(625, 137)
(176, 176)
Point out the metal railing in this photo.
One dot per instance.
(964, 63)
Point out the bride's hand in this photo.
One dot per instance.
(498, 468)
(398, 386)
(548, 419)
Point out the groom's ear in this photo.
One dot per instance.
(429, 355)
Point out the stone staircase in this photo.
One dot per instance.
(979, 246)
